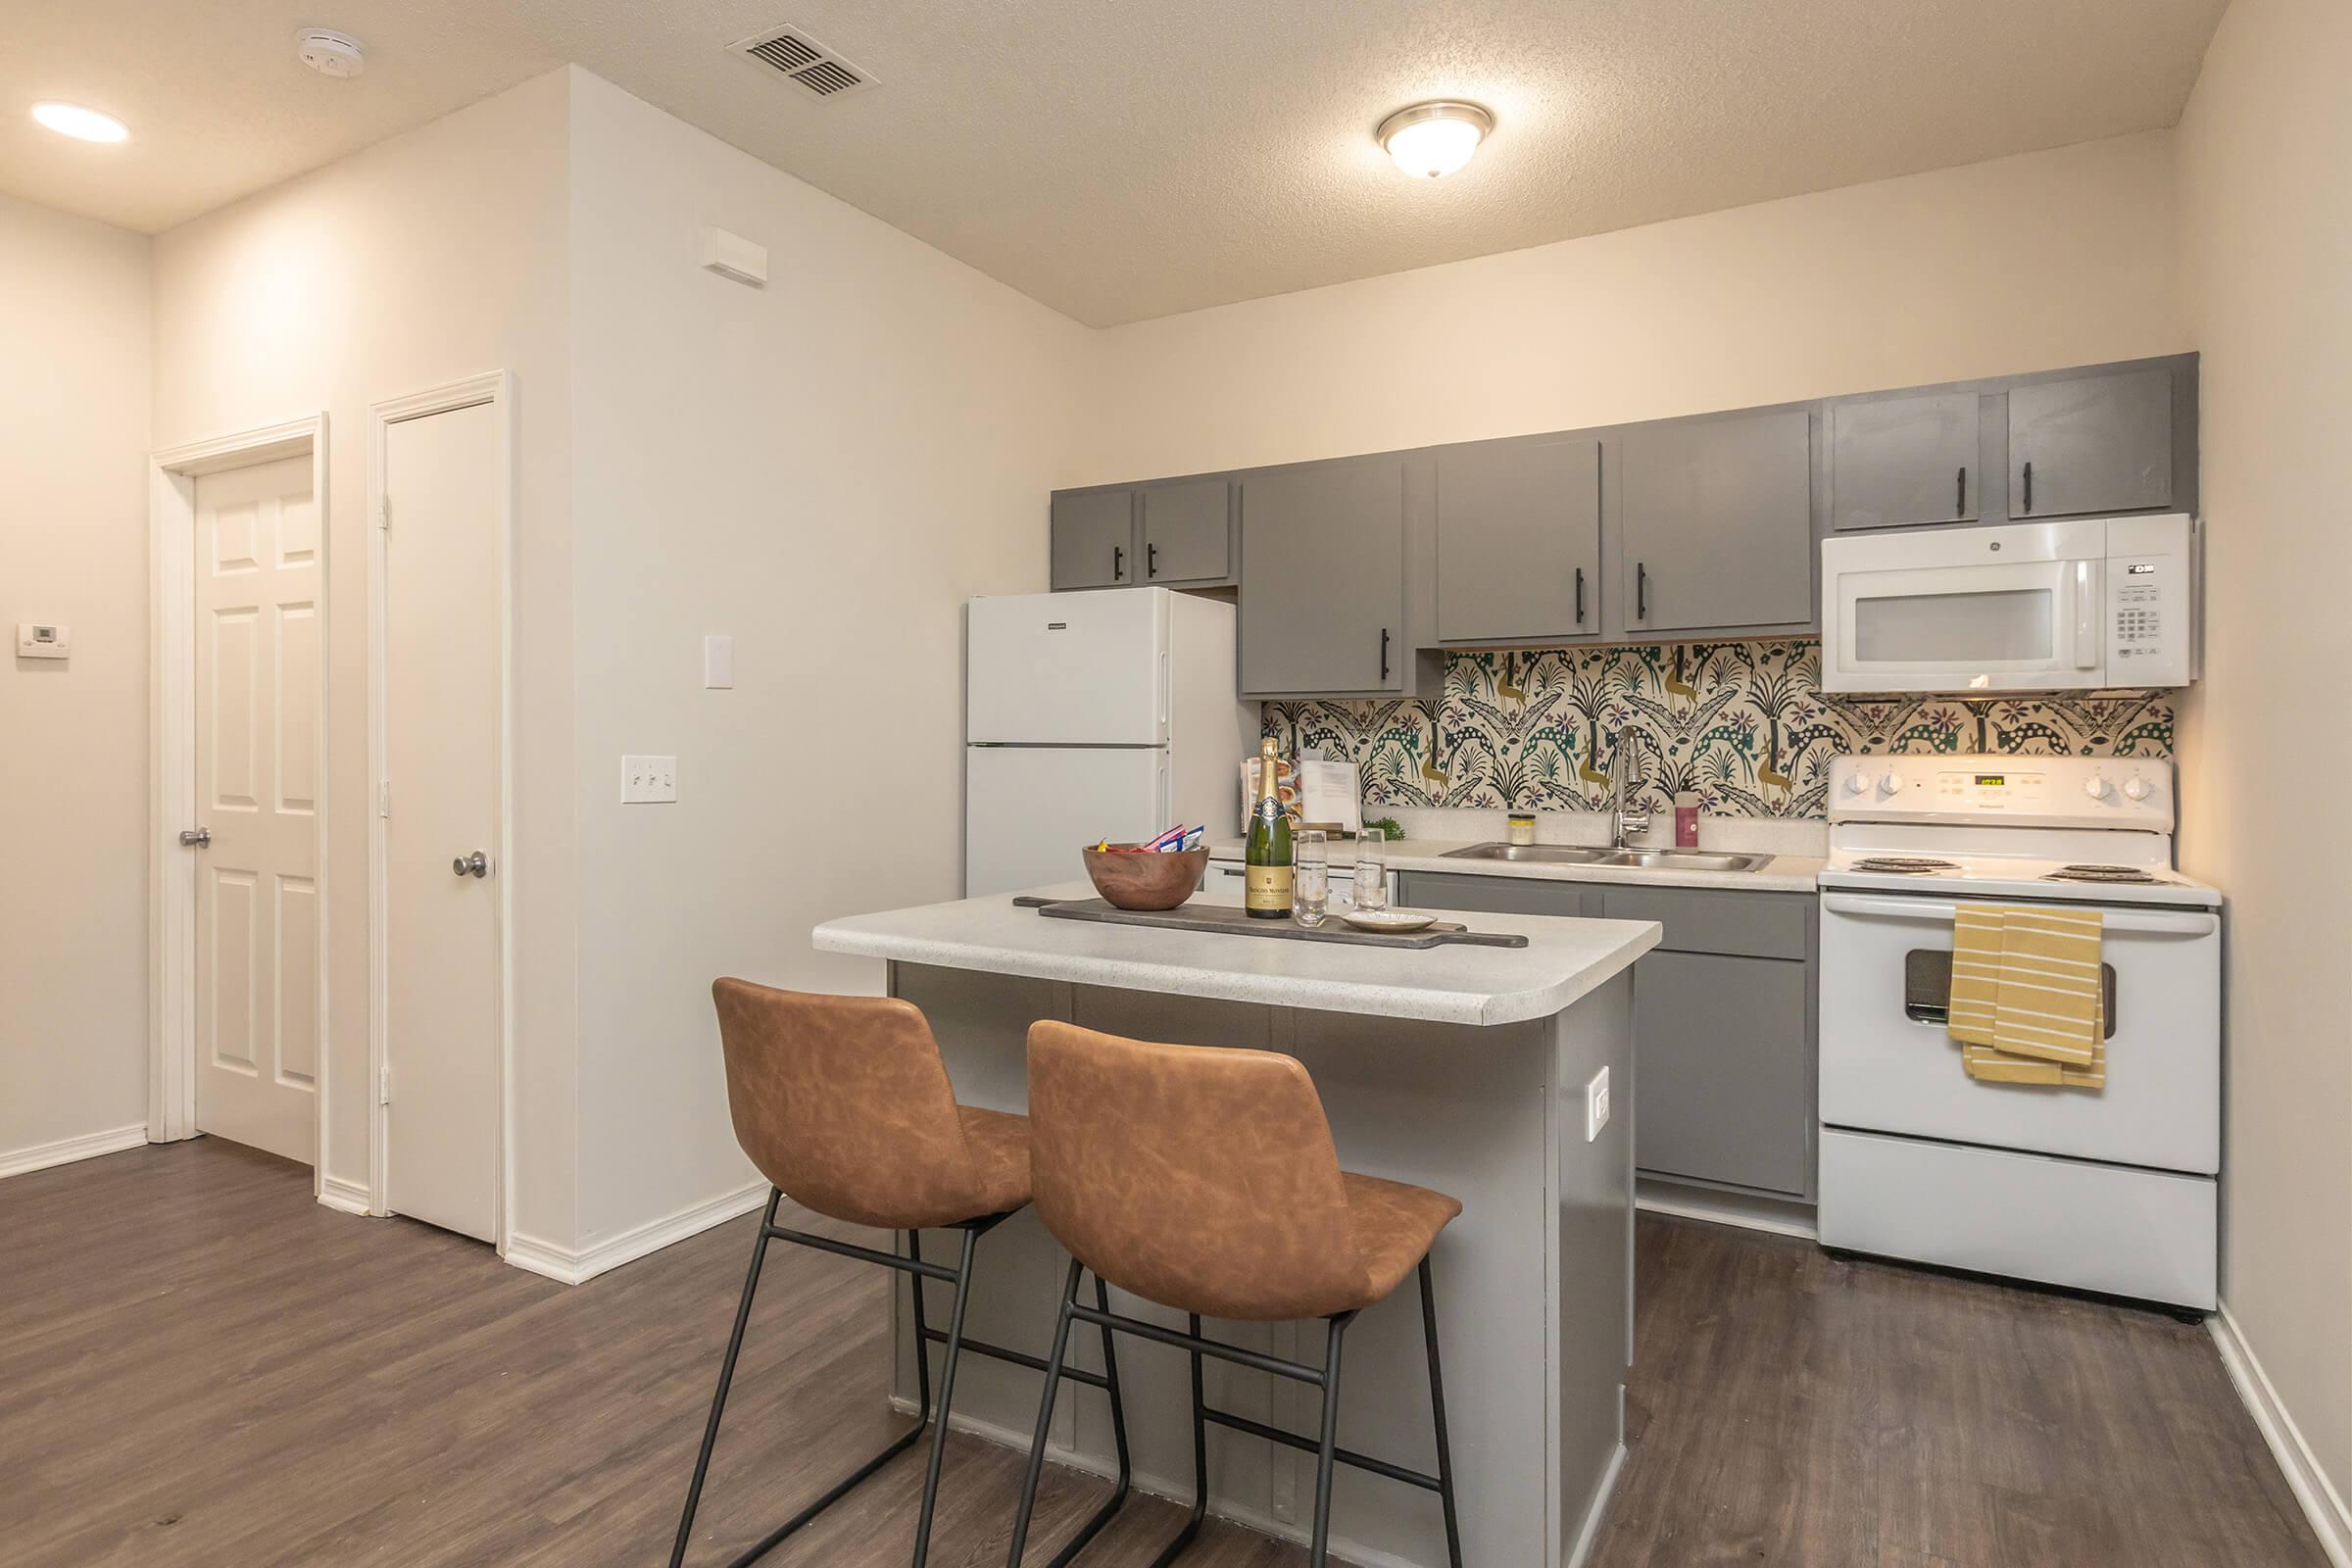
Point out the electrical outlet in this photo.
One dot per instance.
(1597, 1105)
(648, 780)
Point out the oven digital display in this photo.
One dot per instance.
(1992, 781)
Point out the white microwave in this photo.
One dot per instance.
(2085, 605)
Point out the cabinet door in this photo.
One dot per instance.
(1093, 539)
(1519, 542)
(1720, 1072)
(1496, 895)
(1323, 580)
(1897, 460)
(1717, 523)
(2100, 443)
(1185, 532)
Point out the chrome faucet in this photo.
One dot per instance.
(1625, 770)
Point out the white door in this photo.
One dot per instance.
(1069, 669)
(256, 793)
(1028, 810)
(443, 582)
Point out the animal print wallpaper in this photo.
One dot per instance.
(1745, 725)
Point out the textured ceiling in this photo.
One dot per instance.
(1135, 158)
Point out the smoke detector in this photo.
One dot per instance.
(330, 54)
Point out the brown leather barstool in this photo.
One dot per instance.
(1204, 1179)
(843, 1102)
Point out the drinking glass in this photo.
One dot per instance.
(1310, 880)
(1371, 870)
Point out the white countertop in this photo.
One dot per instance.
(1786, 873)
(1563, 960)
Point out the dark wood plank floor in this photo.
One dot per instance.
(199, 1365)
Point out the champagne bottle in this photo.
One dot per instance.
(1269, 852)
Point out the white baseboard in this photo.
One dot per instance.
(66, 1150)
(1590, 1530)
(349, 1196)
(577, 1268)
(1779, 1217)
(2322, 1505)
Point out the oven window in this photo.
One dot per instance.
(1927, 987)
(1978, 628)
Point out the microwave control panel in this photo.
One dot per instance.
(2149, 619)
(2035, 791)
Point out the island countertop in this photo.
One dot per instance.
(1563, 960)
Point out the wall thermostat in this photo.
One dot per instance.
(35, 640)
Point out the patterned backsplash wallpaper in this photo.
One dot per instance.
(1743, 725)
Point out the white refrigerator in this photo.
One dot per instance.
(1107, 714)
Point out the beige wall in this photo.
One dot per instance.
(2266, 158)
(428, 258)
(2048, 259)
(825, 468)
(74, 333)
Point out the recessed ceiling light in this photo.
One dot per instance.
(1434, 139)
(84, 125)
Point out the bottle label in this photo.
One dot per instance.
(1268, 887)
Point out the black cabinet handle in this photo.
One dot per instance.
(1960, 493)
(1640, 591)
(1150, 560)
(1384, 656)
(2028, 485)
(1580, 596)
(1118, 563)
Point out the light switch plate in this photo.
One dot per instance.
(648, 780)
(44, 640)
(1597, 1105)
(718, 662)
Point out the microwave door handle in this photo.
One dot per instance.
(2086, 619)
(1930, 911)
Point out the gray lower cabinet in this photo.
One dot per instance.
(1322, 603)
(1496, 895)
(1895, 462)
(1188, 532)
(1519, 541)
(1093, 539)
(2091, 444)
(1716, 523)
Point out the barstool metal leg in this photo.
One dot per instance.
(1325, 1453)
(1044, 1420)
(1192, 1523)
(947, 1388)
(726, 1376)
(1436, 1406)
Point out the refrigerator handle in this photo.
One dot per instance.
(1166, 698)
(1164, 790)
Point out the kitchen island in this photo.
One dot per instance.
(1461, 1068)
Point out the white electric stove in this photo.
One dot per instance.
(2111, 1190)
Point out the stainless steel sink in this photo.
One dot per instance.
(1647, 860)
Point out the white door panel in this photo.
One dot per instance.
(442, 586)
(256, 793)
(1069, 669)
(1030, 809)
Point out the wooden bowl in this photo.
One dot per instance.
(1129, 880)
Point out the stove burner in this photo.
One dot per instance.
(2099, 873)
(1904, 864)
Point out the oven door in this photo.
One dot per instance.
(2015, 609)
(1888, 1065)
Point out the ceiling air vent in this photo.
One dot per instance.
(805, 63)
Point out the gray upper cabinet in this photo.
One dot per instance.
(1322, 609)
(1519, 542)
(1093, 540)
(1187, 532)
(1716, 521)
(2092, 444)
(1894, 461)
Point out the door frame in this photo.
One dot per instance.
(494, 387)
(172, 476)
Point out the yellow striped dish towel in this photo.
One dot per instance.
(2027, 1002)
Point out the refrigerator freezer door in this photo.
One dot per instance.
(1069, 669)
(1030, 809)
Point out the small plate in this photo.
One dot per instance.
(1387, 919)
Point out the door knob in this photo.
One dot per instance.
(196, 838)
(475, 864)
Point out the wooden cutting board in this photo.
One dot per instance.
(1229, 921)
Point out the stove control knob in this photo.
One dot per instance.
(2137, 788)
(1856, 783)
(1889, 785)
(2095, 787)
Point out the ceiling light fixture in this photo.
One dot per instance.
(83, 124)
(1434, 139)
